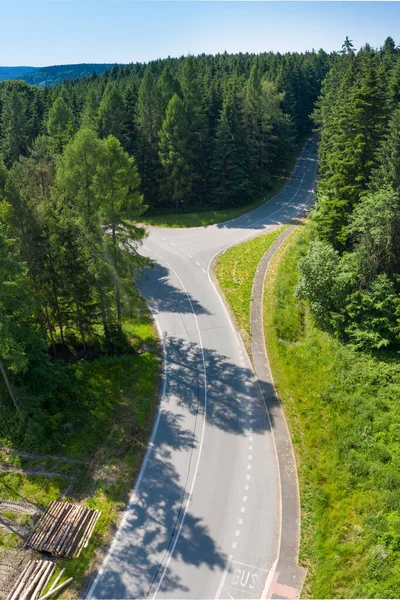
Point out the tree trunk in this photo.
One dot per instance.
(117, 294)
(11, 392)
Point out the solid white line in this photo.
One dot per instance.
(224, 576)
(268, 581)
(150, 447)
(201, 437)
(236, 562)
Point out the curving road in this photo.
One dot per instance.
(204, 518)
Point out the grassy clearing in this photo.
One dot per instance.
(210, 215)
(120, 398)
(344, 415)
(235, 271)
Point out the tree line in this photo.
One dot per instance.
(350, 275)
(80, 163)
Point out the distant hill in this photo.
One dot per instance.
(58, 73)
(14, 72)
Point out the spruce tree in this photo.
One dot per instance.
(60, 123)
(112, 114)
(175, 154)
(14, 126)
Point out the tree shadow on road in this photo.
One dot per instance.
(165, 297)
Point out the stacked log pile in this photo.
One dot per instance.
(64, 529)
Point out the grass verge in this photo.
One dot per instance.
(343, 411)
(108, 444)
(210, 215)
(235, 270)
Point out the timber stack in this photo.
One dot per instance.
(64, 529)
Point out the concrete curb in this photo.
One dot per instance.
(289, 576)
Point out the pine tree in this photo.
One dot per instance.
(90, 110)
(175, 153)
(60, 123)
(117, 187)
(230, 170)
(112, 114)
(14, 126)
(149, 121)
(198, 160)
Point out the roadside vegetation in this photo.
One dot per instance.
(103, 438)
(343, 412)
(235, 270)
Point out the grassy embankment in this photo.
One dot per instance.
(343, 411)
(121, 396)
(235, 270)
(211, 215)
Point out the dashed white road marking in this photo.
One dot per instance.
(181, 249)
(250, 448)
(249, 467)
(240, 522)
(244, 498)
(246, 487)
(189, 255)
(204, 271)
(172, 244)
(248, 477)
(237, 532)
(234, 544)
(250, 457)
(197, 263)
(243, 509)
(164, 239)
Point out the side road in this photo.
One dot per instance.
(289, 576)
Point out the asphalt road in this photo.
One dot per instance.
(204, 518)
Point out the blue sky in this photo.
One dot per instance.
(48, 32)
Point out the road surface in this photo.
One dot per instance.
(204, 518)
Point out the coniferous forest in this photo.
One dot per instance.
(350, 276)
(82, 161)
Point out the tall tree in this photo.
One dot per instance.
(175, 154)
(14, 126)
(112, 114)
(60, 123)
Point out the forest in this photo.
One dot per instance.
(80, 164)
(350, 276)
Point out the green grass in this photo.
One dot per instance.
(343, 411)
(120, 396)
(211, 215)
(235, 271)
